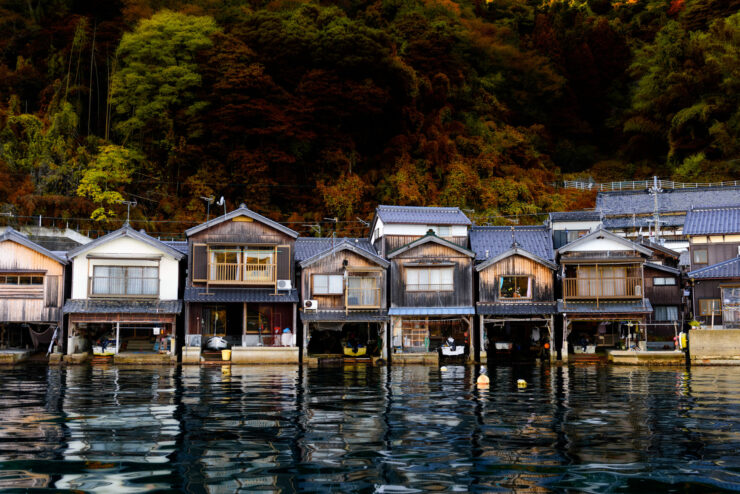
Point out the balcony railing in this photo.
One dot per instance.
(604, 288)
(363, 298)
(238, 273)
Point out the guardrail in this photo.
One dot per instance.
(644, 184)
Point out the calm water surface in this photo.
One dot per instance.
(358, 428)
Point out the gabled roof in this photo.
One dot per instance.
(308, 247)
(660, 267)
(178, 245)
(14, 236)
(421, 215)
(126, 231)
(724, 269)
(708, 221)
(492, 241)
(601, 233)
(343, 244)
(242, 210)
(430, 237)
(575, 216)
(670, 200)
(515, 251)
(660, 248)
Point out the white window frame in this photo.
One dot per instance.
(327, 284)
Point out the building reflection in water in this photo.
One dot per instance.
(280, 429)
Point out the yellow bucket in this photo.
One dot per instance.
(226, 355)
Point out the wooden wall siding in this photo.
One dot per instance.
(542, 279)
(616, 256)
(461, 296)
(335, 265)
(707, 289)
(31, 303)
(194, 316)
(662, 295)
(715, 253)
(16, 256)
(28, 310)
(393, 242)
(241, 232)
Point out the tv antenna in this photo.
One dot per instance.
(209, 201)
(128, 204)
(222, 202)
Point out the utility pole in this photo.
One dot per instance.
(655, 190)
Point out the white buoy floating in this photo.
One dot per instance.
(443, 368)
(521, 383)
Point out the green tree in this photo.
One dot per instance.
(103, 180)
(158, 76)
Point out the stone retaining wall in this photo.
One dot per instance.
(711, 345)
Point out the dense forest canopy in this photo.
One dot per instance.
(308, 110)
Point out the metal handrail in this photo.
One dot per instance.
(644, 184)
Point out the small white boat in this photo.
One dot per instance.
(449, 350)
(217, 343)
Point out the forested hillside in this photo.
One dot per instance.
(306, 110)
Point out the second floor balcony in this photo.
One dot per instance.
(243, 266)
(604, 283)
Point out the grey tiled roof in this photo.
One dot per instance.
(126, 231)
(308, 247)
(123, 306)
(671, 221)
(661, 267)
(490, 241)
(421, 215)
(635, 307)
(521, 309)
(178, 245)
(628, 202)
(575, 216)
(223, 295)
(724, 269)
(713, 220)
(341, 316)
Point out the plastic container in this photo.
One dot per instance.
(226, 355)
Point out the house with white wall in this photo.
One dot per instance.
(125, 296)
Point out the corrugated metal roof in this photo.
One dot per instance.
(123, 306)
(575, 216)
(431, 311)
(706, 221)
(490, 241)
(342, 316)
(516, 309)
(724, 269)
(224, 295)
(628, 202)
(421, 215)
(636, 307)
(308, 247)
(661, 267)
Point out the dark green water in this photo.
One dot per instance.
(365, 429)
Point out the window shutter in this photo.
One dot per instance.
(200, 263)
(284, 263)
(52, 291)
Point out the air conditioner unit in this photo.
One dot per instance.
(284, 285)
(310, 305)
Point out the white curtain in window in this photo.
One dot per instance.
(335, 284)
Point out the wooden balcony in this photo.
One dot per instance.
(232, 273)
(603, 288)
(362, 298)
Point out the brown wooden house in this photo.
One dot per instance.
(516, 296)
(31, 292)
(240, 288)
(343, 288)
(714, 237)
(603, 293)
(664, 288)
(431, 289)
